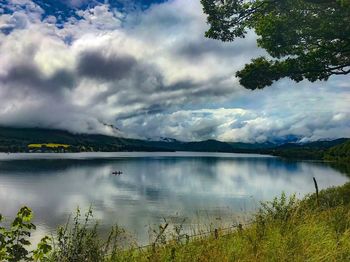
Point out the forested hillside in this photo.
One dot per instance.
(311, 151)
(339, 153)
(38, 140)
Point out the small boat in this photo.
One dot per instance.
(117, 173)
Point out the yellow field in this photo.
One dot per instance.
(49, 145)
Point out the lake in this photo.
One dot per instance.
(196, 186)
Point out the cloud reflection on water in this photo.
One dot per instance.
(152, 186)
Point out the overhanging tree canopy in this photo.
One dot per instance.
(305, 39)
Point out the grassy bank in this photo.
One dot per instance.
(283, 230)
(286, 229)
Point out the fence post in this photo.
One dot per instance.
(240, 228)
(216, 233)
(173, 252)
(316, 187)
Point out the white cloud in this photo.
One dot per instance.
(168, 80)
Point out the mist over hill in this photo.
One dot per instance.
(19, 139)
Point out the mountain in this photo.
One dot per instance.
(252, 146)
(311, 150)
(339, 152)
(18, 139)
(163, 139)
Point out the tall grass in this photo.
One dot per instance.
(284, 229)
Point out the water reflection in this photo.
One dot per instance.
(152, 185)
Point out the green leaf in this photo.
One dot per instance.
(305, 39)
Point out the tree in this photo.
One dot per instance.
(304, 39)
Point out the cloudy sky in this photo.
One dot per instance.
(145, 67)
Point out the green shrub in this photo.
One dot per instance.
(80, 241)
(14, 241)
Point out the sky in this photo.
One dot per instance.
(145, 68)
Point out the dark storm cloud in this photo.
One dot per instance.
(157, 97)
(111, 85)
(181, 85)
(137, 82)
(25, 75)
(94, 64)
(197, 49)
(155, 109)
(63, 78)
(152, 73)
(206, 130)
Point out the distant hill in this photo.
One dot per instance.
(315, 144)
(252, 146)
(312, 150)
(339, 152)
(19, 139)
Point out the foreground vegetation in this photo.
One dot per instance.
(285, 229)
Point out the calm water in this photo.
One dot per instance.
(196, 186)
